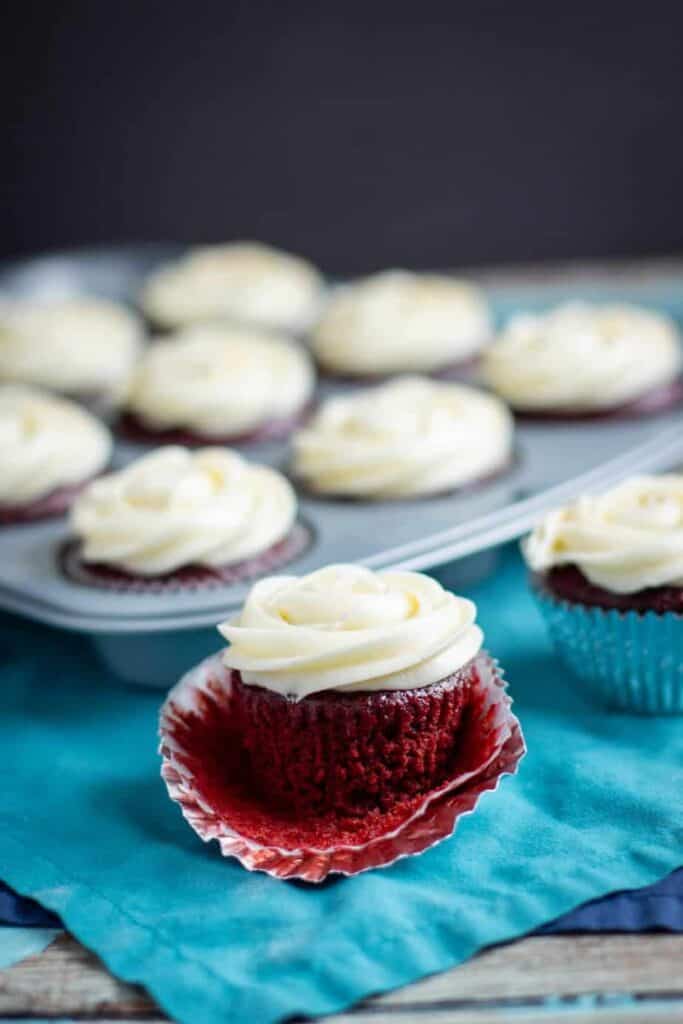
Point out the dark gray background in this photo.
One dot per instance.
(359, 134)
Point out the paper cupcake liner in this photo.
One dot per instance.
(627, 660)
(658, 400)
(191, 577)
(195, 726)
(51, 506)
(131, 428)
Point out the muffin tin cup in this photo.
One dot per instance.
(623, 660)
(205, 693)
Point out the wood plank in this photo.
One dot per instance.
(66, 980)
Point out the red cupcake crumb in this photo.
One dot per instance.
(658, 400)
(131, 428)
(373, 797)
(193, 577)
(568, 583)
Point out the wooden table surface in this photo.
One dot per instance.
(606, 979)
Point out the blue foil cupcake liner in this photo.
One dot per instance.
(628, 661)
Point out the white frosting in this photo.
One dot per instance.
(347, 628)
(242, 281)
(46, 443)
(399, 322)
(625, 540)
(582, 357)
(174, 507)
(220, 381)
(411, 436)
(73, 345)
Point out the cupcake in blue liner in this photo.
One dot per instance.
(608, 577)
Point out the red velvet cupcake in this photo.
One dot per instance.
(218, 385)
(49, 449)
(587, 362)
(178, 519)
(349, 706)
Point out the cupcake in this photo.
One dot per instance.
(218, 385)
(412, 437)
(608, 576)
(81, 347)
(399, 322)
(347, 706)
(587, 361)
(176, 517)
(243, 282)
(49, 448)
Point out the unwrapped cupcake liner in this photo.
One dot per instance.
(210, 805)
(187, 578)
(625, 660)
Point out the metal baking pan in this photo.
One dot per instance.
(554, 462)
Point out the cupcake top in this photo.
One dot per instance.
(219, 381)
(246, 282)
(406, 438)
(399, 322)
(347, 628)
(175, 507)
(46, 443)
(580, 357)
(75, 346)
(625, 540)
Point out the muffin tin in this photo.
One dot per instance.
(554, 462)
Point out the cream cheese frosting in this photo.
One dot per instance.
(246, 282)
(625, 540)
(46, 443)
(412, 436)
(400, 322)
(175, 507)
(582, 357)
(347, 628)
(74, 346)
(220, 381)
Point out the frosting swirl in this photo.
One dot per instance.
(581, 357)
(408, 437)
(242, 281)
(347, 628)
(625, 540)
(174, 507)
(46, 443)
(399, 322)
(75, 346)
(219, 381)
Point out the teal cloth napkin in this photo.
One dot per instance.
(86, 829)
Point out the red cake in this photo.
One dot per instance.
(568, 583)
(350, 753)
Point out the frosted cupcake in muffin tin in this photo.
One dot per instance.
(181, 518)
(82, 347)
(243, 282)
(49, 449)
(218, 385)
(608, 576)
(411, 437)
(398, 322)
(587, 361)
